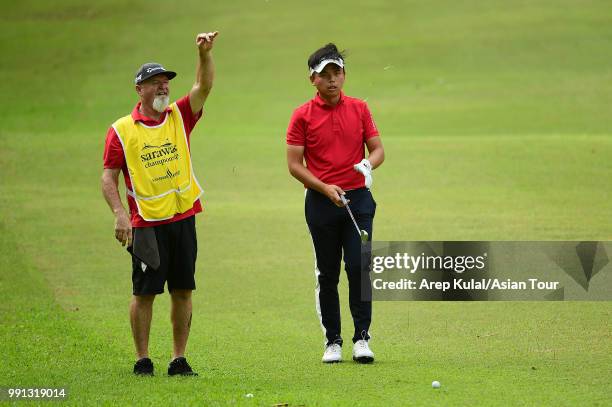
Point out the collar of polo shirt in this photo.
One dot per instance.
(321, 102)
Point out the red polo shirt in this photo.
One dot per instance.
(114, 158)
(333, 138)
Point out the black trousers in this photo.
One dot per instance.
(334, 234)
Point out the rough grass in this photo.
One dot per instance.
(495, 118)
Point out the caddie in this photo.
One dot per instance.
(151, 146)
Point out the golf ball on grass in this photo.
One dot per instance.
(435, 384)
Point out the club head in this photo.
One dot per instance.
(364, 236)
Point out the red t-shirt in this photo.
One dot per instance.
(333, 138)
(114, 158)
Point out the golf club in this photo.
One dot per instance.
(362, 233)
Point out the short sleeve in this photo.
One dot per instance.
(189, 118)
(113, 151)
(296, 132)
(369, 127)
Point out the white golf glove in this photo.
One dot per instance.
(365, 168)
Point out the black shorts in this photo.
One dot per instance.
(178, 249)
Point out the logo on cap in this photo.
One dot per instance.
(319, 66)
(151, 69)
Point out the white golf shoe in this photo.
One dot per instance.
(332, 354)
(362, 352)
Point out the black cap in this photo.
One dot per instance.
(151, 69)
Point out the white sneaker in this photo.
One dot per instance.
(332, 354)
(362, 352)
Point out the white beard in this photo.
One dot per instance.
(160, 103)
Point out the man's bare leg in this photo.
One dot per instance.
(180, 316)
(141, 313)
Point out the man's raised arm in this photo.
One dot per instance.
(205, 71)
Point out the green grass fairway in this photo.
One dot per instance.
(496, 121)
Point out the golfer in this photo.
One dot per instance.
(328, 133)
(151, 147)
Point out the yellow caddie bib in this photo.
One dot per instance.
(159, 166)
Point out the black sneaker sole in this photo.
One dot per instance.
(144, 374)
(183, 374)
(331, 362)
(364, 359)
